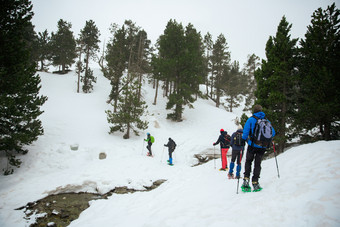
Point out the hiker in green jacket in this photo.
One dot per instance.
(150, 140)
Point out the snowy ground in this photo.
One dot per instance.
(306, 194)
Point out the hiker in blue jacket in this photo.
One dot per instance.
(254, 151)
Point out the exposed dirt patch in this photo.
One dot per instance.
(61, 209)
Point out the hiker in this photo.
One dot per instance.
(237, 147)
(150, 140)
(256, 147)
(171, 147)
(224, 141)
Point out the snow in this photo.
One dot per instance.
(306, 194)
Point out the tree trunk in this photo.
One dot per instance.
(212, 86)
(78, 82)
(63, 68)
(41, 65)
(166, 88)
(87, 67)
(327, 131)
(217, 97)
(178, 111)
(127, 135)
(140, 61)
(156, 93)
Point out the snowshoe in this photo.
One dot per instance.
(231, 176)
(245, 186)
(256, 187)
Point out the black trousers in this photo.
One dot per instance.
(236, 154)
(149, 148)
(170, 153)
(257, 154)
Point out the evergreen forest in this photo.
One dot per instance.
(297, 84)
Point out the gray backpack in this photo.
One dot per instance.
(263, 133)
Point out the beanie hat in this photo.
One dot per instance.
(239, 127)
(221, 130)
(257, 108)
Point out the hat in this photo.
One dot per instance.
(239, 127)
(257, 108)
(221, 130)
(147, 133)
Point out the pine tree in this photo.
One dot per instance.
(127, 51)
(117, 56)
(63, 46)
(208, 44)
(249, 69)
(44, 51)
(220, 61)
(319, 100)
(88, 42)
(181, 62)
(129, 110)
(233, 86)
(276, 80)
(156, 74)
(19, 85)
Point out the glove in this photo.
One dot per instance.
(164, 145)
(214, 144)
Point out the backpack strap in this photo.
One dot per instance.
(252, 132)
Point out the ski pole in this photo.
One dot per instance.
(277, 166)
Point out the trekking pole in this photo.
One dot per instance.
(238, 179)
(143, 147)
(173, 161)
(277, 166)
(162, 154)
(214, 159)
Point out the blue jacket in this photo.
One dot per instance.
(249, 128)
(235, 147)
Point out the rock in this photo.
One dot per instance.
(102, 155)
(74, 146)
(55, 212)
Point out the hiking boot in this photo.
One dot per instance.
(237, 177)
(223, 169)
(256, 186)
(230, 176)
(245, 186)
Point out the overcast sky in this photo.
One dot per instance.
(246, 24)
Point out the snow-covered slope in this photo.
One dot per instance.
(306, 194)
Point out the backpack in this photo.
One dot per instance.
(152, 139)
(173, 145)
(263, 133)
(226, 138)
(238, 139)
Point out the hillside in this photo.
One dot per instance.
(306, 194)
